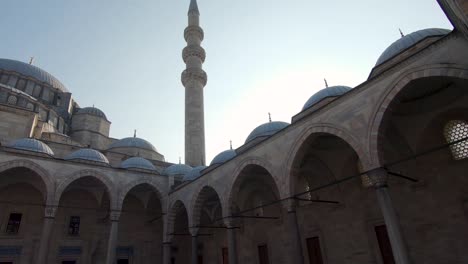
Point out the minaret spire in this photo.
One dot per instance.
(194, 80)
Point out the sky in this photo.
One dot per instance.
(124, 57)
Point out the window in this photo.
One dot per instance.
(225, 254)
(263, 254)
(313, 248)
(384, 244)
(21, 84)
(4, 79)
(74, 227)
(14, 223)
(456, 130)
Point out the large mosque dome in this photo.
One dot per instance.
(331, 91)
(266, 129)
(409, 40)
(92, 111)
(177, 169)
(137, 163)
(29, 70)
(133, 142)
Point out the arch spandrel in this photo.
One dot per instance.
(103, 178)
(320, 129)
(36, 168)
(378, 117)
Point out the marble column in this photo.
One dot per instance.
(194, 249)
(378, 179)
(112, 242)
(47, 227)
(167, 252)
(297, 255)
(232, 245)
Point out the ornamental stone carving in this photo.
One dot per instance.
(193, 50)
(114, 215)
(194, 74)
(50, 211)
(194, 31)
(375, 178)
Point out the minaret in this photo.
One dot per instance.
(194, 80)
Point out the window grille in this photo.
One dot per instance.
(456, 130)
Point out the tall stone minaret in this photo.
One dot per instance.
(194, 79)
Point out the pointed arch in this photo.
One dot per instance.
(202, 194)
(36, 168)
(376, 124)
(103, 178)
(128, 187)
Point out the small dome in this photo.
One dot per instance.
(133, 142)
(92, 111)
(30, 144)
(32, 71)
(266, 129)
(223, 157)
(88, 155)
(138, 163)
(409, 40)
(193, 173)
(177, 169)
(331, 91)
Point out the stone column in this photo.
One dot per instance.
(47, 227)
(167, 252)
(297, 256)
(112, 244)
(378, 179)
(194, 249)
(232, 245)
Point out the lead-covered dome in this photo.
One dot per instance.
(193, 173)
(223, 157)
(133, 142)
(33, 145)
(87, 154)
(92, 111)
(137, 163)
(409, 40)
(32, 71)
(177, 169)
(266, 129)
(331, 91)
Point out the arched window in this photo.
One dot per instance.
(456, 130)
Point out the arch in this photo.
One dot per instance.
(36, 168)
(318, 129)
(202, 194)
(378, 117)
(128, 187)
(104, 179)
(173, 210)
(227, 201)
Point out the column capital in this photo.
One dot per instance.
(114, 215)
(194, 231)
(376, 178)
(50, 211)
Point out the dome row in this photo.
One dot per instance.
(85, 154)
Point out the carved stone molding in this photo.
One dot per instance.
(194, 74)
(114, 216)
(375, 178)
(193, 50)
(194, 31)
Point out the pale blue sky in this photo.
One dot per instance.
(262, 56)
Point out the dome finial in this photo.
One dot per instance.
(31, 60)
(269, 116)
(180, 160)
(230, 144)
(134, 133)
(326, 83)
(401, 32)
